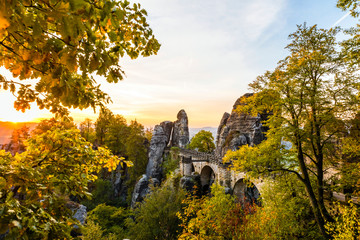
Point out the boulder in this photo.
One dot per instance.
(140, 191)
(189, 182)
(142, 188)
(80, 214)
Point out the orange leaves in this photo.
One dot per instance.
(4, 23)
(16, 70)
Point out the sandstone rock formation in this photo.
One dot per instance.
(236, 130)
(158, 143)
(180, 136)
(166, 134)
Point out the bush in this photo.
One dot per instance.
(155, 217)
(211, 217)
(171, 162)
(102, 193)
(110, 219)
(286, 213)
(347, 223)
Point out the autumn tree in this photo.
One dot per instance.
(309, 94)
(350, 169)
(203, 141)
(349, 181)
(59, 47)
(285, 212)
(211, 217)
(35, 185)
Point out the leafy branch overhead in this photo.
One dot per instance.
(61, 44)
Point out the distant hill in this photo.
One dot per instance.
(193, 131)
(7, 128)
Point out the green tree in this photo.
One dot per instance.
(93, 231)
(87, 130)
(136, 147)
(59, 46)
(110, 219)
(309, 94)
(102, 124)
(155, 217)
(35, 185)
(171, 162)
(116, 135)
(203, 141)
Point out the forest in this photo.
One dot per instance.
(51, 173)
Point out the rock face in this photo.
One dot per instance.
(140, 191)
(158, 143)
(189, 182)
(80, 214)
(166, 134)
(180, 137)
(236, 130)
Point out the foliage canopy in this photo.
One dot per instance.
(35, 184)
(61, 45)
(203, 141)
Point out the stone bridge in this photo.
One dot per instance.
(211, 169)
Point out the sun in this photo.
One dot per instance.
(9, 114)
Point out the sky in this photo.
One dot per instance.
(210, 51)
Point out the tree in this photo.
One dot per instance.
(136, 147)
(87, 130)
(309, 94)
(116, 135)
(155, 217)
(102, 123)
(285, 212)
(110, 219)
(60, 45)
(353, 5)
(35, 185)
(203, 141)
(349, 182)
(18, 137)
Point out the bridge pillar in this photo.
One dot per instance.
(187, 166)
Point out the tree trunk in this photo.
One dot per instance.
(320, 189)
(306, 180)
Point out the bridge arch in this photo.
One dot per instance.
(246, 193)
(207, 178)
